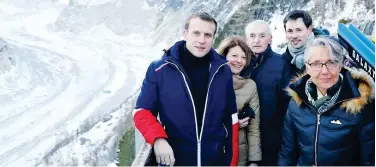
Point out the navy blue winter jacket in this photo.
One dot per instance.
(166, 90)
(272, 76)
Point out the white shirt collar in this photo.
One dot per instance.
(319, 95)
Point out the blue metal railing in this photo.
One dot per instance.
(360, 48)
(362, 37)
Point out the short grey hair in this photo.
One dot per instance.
(256, 22)
(336, 51)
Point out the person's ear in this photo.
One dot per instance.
(271, 39)
(185, 33)
(306, 71)
(310, 28)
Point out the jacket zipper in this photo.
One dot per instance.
(203, 118)
(317, 127)
(316, 138)
(206, 101)
(194, 110)
(317, 131)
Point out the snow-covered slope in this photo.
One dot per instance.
(61, 94)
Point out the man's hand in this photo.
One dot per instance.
(163, 152)
(243, 122)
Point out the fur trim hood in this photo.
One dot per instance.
(354, 105)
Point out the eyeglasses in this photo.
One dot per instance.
(317, 66)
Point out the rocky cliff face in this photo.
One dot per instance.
(163, 19)
(324, 13)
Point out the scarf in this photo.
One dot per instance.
(238, 81)
(324, 103)
(298, 53)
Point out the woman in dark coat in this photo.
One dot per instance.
(331, 117)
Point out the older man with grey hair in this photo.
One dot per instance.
(259, 36)
(331, 119)
(271, 74)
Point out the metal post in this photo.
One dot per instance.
(139, 140)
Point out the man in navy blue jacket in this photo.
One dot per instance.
(271, 74)
(191, 89)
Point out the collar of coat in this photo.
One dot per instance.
(238, 82)
(358, 89)
(260, 58)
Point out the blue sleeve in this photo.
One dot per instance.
(148, 96)
(146, 110)
(287, 155)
